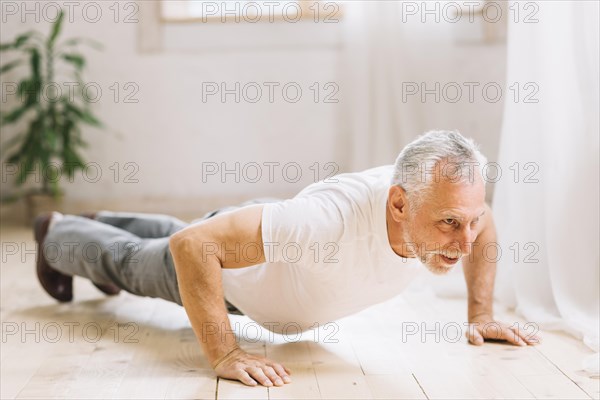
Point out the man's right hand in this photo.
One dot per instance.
(250, 369)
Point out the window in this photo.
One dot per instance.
(194, 25)
(249, 11)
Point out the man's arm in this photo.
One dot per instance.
(199, 253)
(480, 272)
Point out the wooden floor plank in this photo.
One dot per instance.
(394, 386)
(20, 362)
(53, 377)
(567, 355)
(233, 390)
(294, 355)
(338, 372)
(552, 387)
(304, 383)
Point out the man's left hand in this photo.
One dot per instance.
(484, 327)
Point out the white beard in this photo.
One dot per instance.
(431, 260)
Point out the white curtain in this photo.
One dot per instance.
(553, 278)
(375, 122)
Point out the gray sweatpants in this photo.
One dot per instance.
(130, 250)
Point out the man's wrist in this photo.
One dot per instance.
(487, 314)
(477, 309)
(215, 363)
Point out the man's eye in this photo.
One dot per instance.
(449, 221)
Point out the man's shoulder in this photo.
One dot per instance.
(359, 182)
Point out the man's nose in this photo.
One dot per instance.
(465, 241)
(465, 248)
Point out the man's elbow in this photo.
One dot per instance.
(187, 236)
(175, 239)
(187, 246)
(179, 244)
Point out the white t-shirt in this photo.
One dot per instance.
(327, 255)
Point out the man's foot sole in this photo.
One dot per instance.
(55, 283)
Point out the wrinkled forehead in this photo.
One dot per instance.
(466, 199)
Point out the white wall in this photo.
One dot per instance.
(170, 132)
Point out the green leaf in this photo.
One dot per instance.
(72, 108)
(8, 66)
(76, 59)
(56, 29)
(84, 115)
(22, 39)
(34, 62)
(29, 91)
(14, 157)
(10, 143)
(90, 119)
(15, 114)
(92, 43)
(82, 143)
(72, 41)
(24, 154)
(19, 40)
(50, 137)
(24, 169)
(72, 161)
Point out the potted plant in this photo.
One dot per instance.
(51, 140)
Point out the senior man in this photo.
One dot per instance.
(337, 247)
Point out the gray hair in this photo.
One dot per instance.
(416, 163)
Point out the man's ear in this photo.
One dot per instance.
(397, 203)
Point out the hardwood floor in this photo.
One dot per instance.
(127, 347)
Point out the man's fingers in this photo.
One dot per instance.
(272, 375)
(494, 330)
(258, 374)
(526, 337)
(252, 370)
(512, 336)
(474, 336)
(282, 372)
(531, 338)
(245, 378)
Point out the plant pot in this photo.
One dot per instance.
(37, 203)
